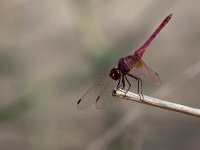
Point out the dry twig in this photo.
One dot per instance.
(157, 102)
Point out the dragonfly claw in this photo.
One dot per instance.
(141, 96)
(114, 92)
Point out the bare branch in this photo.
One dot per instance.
(157, 102)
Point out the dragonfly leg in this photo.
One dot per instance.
(129, 85)
(123, 82)
(139, 82)
(141, 89)
(118, 84)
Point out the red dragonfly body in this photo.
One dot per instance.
(132, 66)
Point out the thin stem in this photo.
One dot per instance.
(157, 102)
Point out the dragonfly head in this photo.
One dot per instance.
(115, 73)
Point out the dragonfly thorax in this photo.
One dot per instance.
(115, 74)
(125, 64)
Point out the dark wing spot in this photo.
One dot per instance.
(79, 101)
(97, 99)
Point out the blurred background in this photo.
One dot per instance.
(51, 52)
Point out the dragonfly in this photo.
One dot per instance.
(131, 66)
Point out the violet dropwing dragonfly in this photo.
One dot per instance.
(132, 66)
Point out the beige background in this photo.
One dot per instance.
(52, 51)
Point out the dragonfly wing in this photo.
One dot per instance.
(144, 72)
(97, 93)
(106, 97)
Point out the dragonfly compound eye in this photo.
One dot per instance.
(115, 74)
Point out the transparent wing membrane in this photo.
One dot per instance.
(100, 93)
(144, 72)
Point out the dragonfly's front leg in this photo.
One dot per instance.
(118, 84)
